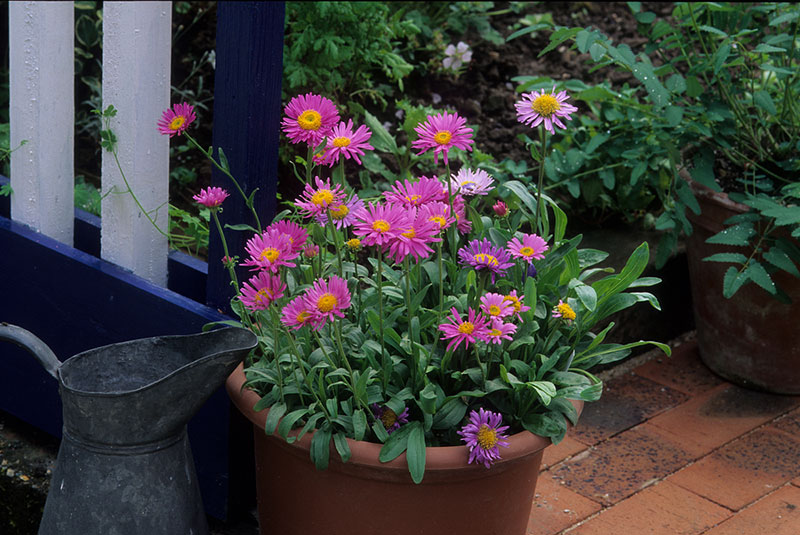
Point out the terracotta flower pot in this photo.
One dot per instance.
(365, 496)
(751, 339)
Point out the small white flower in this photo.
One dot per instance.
(456, 56)
(436, 98)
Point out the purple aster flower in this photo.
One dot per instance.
(532, 247)
(483, 255)
(467, 331)
(309, 118)
(538, 107)
(500, 331)
(343, 141)
(484, 435)
(343, 214)
(391, 421)
(175, 121)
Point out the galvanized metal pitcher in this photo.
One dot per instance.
(124, 466)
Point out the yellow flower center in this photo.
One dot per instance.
(310, 120)
(326, 302)
(514, 301)
(177, 122)
(439, 219)
(341, 141)
(443, 137)
(322, 197)
(414, 199)
(340, 212)
(466, 328)
(354, 244)
(410, 233)
(388, 418)
(546, 105)
(270, 254)
(566, 311)
(263, 295)
(527, 251)
(494, 310)
(487, 259)
(380, 225)
(495, 332)
(468, 184)
(302, 317)
(487, 437)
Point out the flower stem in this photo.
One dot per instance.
(540, 185)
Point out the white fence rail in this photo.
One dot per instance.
(136, 81)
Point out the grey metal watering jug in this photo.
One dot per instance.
(124, 466)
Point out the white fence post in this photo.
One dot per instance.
(137, 40)
(41, 63)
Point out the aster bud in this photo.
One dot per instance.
(500, 208)
(311, 250)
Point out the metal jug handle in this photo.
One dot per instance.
(28, 341)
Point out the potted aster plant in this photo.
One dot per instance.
(419, 347)
(718, 89)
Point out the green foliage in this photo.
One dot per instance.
(715, 81)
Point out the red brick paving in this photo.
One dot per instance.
(671, 449)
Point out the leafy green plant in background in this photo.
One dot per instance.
(717, 82)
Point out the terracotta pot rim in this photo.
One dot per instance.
(718, 197)
(365, 454)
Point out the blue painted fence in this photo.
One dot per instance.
(75, 301)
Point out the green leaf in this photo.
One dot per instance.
(703, 171)
(274, 415)
(359, 424)
(558, 37)
(342, 448)
(427, 399)
(736, 235)
(764, 101)
(223, 160)
(544, 389)
(657, 92)
(596, 141)
(778, 258)
(784, 215)
(733, 280)
(587, 296)
(766, 49)
(415, 454)
(396, 444)
(736, 258)
(321, 448)
(381, 139)
(720, 56)
(756, 272)
(673, 115)
(450, 414)
(522, 193)
(288, 421)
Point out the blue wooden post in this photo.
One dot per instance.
(247, 112)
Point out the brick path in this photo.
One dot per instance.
(671, 449)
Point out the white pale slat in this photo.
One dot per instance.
(136, 81)
(41, 63)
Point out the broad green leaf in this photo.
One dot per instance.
(415, 453)
(381, 139)
(342, 448)
(450, 414)
(273, 417)
(736, 235)
(756, 272)
(359, 424)
(587, 296)
(703, 171)
(544, 389)
(288, 421)
(559, 36)
(321, 448)
(733, 280)
(764, 101)
(778, 258)
(395, 444)
(736, 258)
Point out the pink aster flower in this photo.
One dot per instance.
(481, 254)
(391, 421)
(261, 290)
(380, 224)
(314, 201)
(532, 247)
(516, 302)
(495, 306)
(296, 314)
(175, 121)
(500, 209)
(441, 132)
(416, 193)
(309, 118)
(342, 141)
(469, 182)
(484, 435)
(467, 331)
(343, 214)
(538, 107)
(297, 234)
(414, 241)
(326, 300)
(463, 223)
(500, 331)
(269, 251)
(211, 197)
(438, 212)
